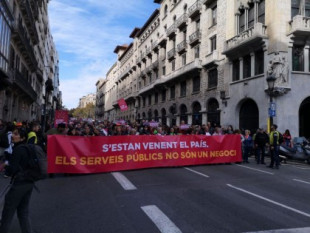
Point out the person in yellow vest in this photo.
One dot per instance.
(274, 137)
(32, 135)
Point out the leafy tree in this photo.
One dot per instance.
(87, 112)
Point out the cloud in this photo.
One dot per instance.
(85, 33)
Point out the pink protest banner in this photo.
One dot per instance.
(61, 116)
(67, 154)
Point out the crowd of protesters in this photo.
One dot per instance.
(252, 143)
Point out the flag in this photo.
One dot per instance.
(122, 104)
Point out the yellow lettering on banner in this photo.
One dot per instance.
(144, 157)
(61, 160)
(194, 154)
(83, 161)
(172, 155)
(97, 161)
(223, 153)
(93, 161)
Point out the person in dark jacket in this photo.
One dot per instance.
(260, 141)
(18, 196)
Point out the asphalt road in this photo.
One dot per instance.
(200, 199)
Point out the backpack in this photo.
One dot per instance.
(37, 164)
(4, 141)
(281, 139)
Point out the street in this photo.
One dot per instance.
(210, 198)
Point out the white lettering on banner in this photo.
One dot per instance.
(121, 147)
(153, 146)
(159, 145)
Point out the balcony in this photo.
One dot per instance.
(139, 61)
(19, 35)
(6, 75)
(21, 82)
(155, 46)
(155, 65)
(208, 2)
(29, 18)
(182, 21)
(189, 70)
(195, 9)
(181, 47)
(246, 39)
(171, 31)
(148, 52)
(171, 54)
(148, 70)
(299, 26)
(211, 58)
(124, 74)
(143, 57)
(195, 38)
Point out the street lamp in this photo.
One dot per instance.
(271, 79)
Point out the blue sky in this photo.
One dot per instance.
(86, 33)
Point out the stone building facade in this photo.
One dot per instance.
(207, 61)
(29, 77)
(88, 99)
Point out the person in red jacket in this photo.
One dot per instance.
(287, 138)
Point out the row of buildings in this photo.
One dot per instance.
(29, 64)
(208, 61)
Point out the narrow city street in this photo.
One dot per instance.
(211, 198)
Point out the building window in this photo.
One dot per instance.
(173, 65)
(212, 78)
(197, 51)
(183, 89)
(164, 70)
(143, 101)
(298, 58)
(165, 10)
(150, 78)
(196, 84)
(213, 43)
(140, 85)
(300, 7)
(197, 24)
(242, 21)
(156, 98)
(184, 59)
(156, 74)
(214, 15)
(251, 15)
(163, 96)
(259, 62)
(261, 12)
(236, 69)
(5, 35)
(247, 66)
(150, 99)
(172, 92)
(12, 57)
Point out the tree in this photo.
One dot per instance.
(87, 112)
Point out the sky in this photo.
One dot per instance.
(86, 32)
